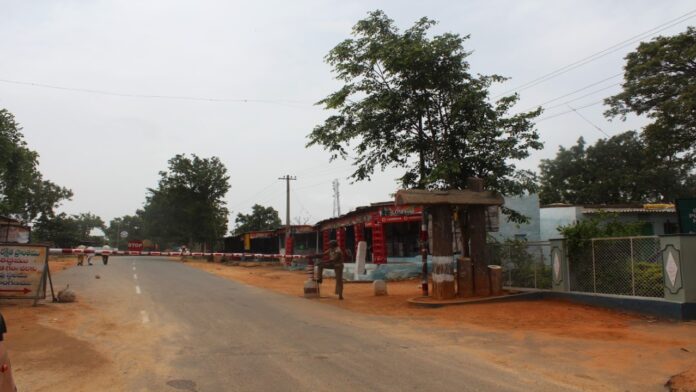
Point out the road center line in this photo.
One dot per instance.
(135, 276)
(137, 289)
(133, 268)
(144, 316)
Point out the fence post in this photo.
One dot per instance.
(594, 271)
(541, 260)
(509, 263)
(633, 275)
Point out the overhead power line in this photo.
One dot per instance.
(576, 91)
(588, 121)
(569, 111)
(565, 103)
(153, 96)
(567, 68)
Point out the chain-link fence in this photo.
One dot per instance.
(525, 264)
(621, 266)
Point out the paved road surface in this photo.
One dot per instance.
(219, 335)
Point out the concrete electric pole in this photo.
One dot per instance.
(337, 199)
(287, 179)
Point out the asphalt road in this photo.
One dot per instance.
(206, 333)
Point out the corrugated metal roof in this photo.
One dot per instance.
(630, 209)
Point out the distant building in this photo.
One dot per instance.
(391, 232)
(657, 219)
(304, 241)
(527, 205)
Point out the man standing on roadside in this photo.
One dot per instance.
(335, 255)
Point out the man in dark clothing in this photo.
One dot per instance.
(335, 261)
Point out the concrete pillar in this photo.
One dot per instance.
(443, 273)
(465, 278)
(476, 227)
(559, 266)
(679, 268)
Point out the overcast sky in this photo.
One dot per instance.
(109, 149)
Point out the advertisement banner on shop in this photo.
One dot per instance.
(23, 269)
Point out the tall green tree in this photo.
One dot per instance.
(131, 224)
(188, 204)
(620, 169)
(24, 194)
(67, 231)
(261, 218)
(86, 222)
(408, 100)
(660, 83)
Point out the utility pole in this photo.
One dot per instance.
(287, 179)
(337, 199)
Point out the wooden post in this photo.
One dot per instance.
(443, 274)
(477, 237)
(465, 280)
(496, 274)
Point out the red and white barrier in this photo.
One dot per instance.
(113, 252)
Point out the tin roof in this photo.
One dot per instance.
(453, 197)
(620, 210)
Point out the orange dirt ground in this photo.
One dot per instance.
(44, 352)
(57, 347)
(613, 341)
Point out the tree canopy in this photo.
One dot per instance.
(261, 218)
(408, 100)
(67, 231)
(660, 82)
(620, 169)
(131, 224)
(188, 204)
(24, 194)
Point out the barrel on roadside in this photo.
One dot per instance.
(495, 274)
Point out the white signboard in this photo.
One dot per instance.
(22, 271)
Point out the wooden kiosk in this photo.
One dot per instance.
(471, 204)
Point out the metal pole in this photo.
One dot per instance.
(424, 251)
(633, 275)
(541, 261)
(594, 272)
(118, 234)
(287, 205)
(509, 263)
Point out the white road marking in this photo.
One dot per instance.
(133, 268)
(144, 316)
(135, 276)
(137, 289)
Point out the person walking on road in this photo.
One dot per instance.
(81, 256)
(335, 255)
(90, 255)
(105, 257)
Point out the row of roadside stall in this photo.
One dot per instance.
(390, 232)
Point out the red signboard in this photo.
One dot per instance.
(401, 218)
(135, 245)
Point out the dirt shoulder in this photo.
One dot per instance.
(595, 340)
(47, 354)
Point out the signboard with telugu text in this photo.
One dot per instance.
(23, 269)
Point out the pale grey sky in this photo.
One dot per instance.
(108, 149)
